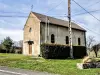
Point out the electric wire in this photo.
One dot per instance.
(86, 10)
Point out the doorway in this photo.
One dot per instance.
(30, 49)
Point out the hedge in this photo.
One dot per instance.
(55, 51)
(2, 51)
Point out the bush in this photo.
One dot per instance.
(2, 51)
(79, 51)
(55, 51)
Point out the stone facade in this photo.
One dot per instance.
(34, 35)
(38, 32)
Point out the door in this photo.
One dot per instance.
(30, 49)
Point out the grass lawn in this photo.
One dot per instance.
(63, 67)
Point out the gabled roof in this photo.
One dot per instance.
(56, 21)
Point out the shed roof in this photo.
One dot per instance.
(56, 21)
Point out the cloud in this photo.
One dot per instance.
(16, 35)
(7, 25)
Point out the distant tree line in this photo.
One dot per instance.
(9, 46)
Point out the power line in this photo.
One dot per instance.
(32, 8)
(51, 16)
(91, 15)
(54, 7)
(86, 10)
(94, 3)
(91, 30)
(12, 12)
(13, 16)
(87, 28)
(89, 6)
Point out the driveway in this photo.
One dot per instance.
(16, 71)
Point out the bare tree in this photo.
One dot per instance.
(18, 43)
(21, 43)
(90, 42)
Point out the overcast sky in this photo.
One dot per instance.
(13, 26)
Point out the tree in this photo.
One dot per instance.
(7, 44)
(96, 49)
(18, 45)
(21, 43)
(90, 42)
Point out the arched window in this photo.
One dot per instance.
(52, 38)
(79, 41)
(30, 29)
(67, 40)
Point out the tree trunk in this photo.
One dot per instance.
(96, 53)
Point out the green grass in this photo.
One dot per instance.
(63, 67)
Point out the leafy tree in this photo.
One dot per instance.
(7, 44)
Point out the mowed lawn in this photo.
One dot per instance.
(62, 67)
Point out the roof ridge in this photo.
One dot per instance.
(48, 16)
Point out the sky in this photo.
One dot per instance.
(11, 25)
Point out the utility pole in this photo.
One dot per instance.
(70, 29)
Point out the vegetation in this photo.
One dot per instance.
(96, 48)
(90, 42)
(63, 67)
(57, 51)
(9, 46)
(92, 46)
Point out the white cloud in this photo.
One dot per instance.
(16, 35)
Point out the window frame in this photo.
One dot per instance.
(79, 41)
(67, 40)
(52, 38)
(30, 30)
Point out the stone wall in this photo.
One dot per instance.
(60, 34)
(34, 23)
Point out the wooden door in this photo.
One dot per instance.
(30, 49)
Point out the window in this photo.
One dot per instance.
(67, 40)
(79, 41)
(30, 29)
(52, 38)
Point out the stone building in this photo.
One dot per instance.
(41, 29)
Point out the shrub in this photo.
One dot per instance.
(79, 51)
(56, 51)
